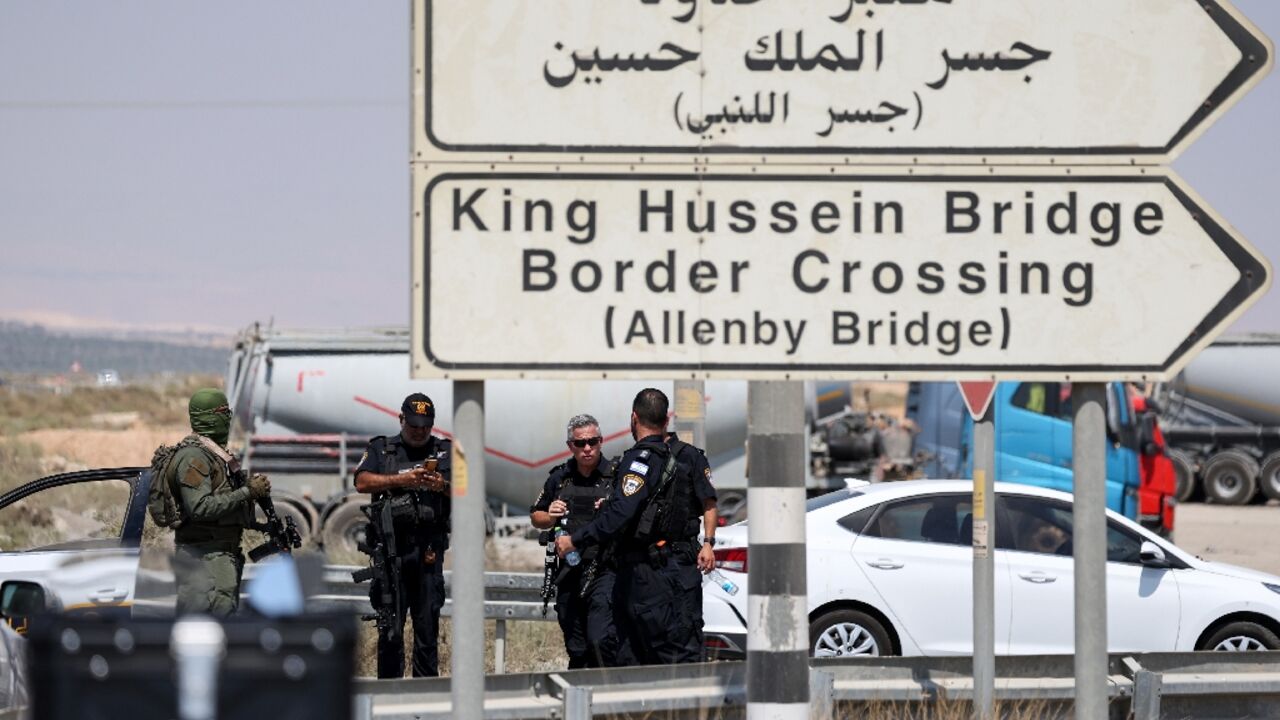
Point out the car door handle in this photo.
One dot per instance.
(885, 564)
(1038, 577)
(109, 595)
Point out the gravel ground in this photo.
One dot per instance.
(1245, 535)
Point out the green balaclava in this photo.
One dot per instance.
(210, 414)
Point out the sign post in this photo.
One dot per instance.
(467, 658)
(977, 399)
(1089, 537)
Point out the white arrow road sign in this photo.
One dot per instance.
(1031, 78)
(947, 276)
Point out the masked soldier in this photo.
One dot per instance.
(570, 499)
(646, 515)
(207, 561)
(400, 468)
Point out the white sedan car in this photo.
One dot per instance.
(890, 572)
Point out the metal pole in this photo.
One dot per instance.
(691, 416)
(1089, 477)
(500, 646)
(467, 648)
(577, 703)
(777, 616)
(984, 567)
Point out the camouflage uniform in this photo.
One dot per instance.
(208, 562)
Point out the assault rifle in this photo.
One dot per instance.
(550, 566)
(386, 560)
(281, 536)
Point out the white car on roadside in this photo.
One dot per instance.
(890, 572)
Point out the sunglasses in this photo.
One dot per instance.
(584, 442)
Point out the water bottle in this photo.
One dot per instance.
(573, 557)
(725, 583)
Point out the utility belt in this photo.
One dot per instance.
(657, 554)
(203, 534)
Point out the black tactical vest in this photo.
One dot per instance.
(582, 498)
(435, 534)
(667, 511)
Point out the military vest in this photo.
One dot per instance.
(581, 499)
(667, 511)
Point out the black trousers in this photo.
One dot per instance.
(423, 597)
(590, 637)
(655, 624)
(690, 588)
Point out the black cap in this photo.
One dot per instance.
(418, 411)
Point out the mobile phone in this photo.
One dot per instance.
(430, 465)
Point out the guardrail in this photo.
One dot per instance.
(1144, 687)
(507, 597)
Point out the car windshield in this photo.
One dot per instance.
(830, 498)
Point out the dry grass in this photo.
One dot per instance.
(531, 647)
(19, 463)
(946, 710)
(877, 710)
(160, 403)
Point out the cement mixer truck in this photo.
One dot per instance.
(1221, 420)
(307, 402)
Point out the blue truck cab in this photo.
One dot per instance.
(1032, 437)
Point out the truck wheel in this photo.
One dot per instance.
(344, 529)
(1230, 477)
(1270, 478)
(731, 506)
(1185, 472)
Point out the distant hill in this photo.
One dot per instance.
(34, 349)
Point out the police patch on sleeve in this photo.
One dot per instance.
(631, 484)
(707, 472)
(637, 466)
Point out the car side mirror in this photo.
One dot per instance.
(20, 601)
(1153, 556)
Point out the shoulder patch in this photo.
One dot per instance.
(197, 471)
(644, 454)
(707, 473)
(631, 484)
(363, 457)
(637, 466)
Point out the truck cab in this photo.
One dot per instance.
(1033, 443)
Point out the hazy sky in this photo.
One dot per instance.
(254, 154)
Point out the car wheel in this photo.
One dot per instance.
(1185, 473)
(1241, 637)
(842, 633)
(1230, 477)
(1270, 478)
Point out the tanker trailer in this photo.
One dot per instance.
(1221, 420)
(306, 403)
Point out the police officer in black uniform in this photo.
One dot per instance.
(572, 495)
(695, 557)
(401, 465)
(646, 514)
